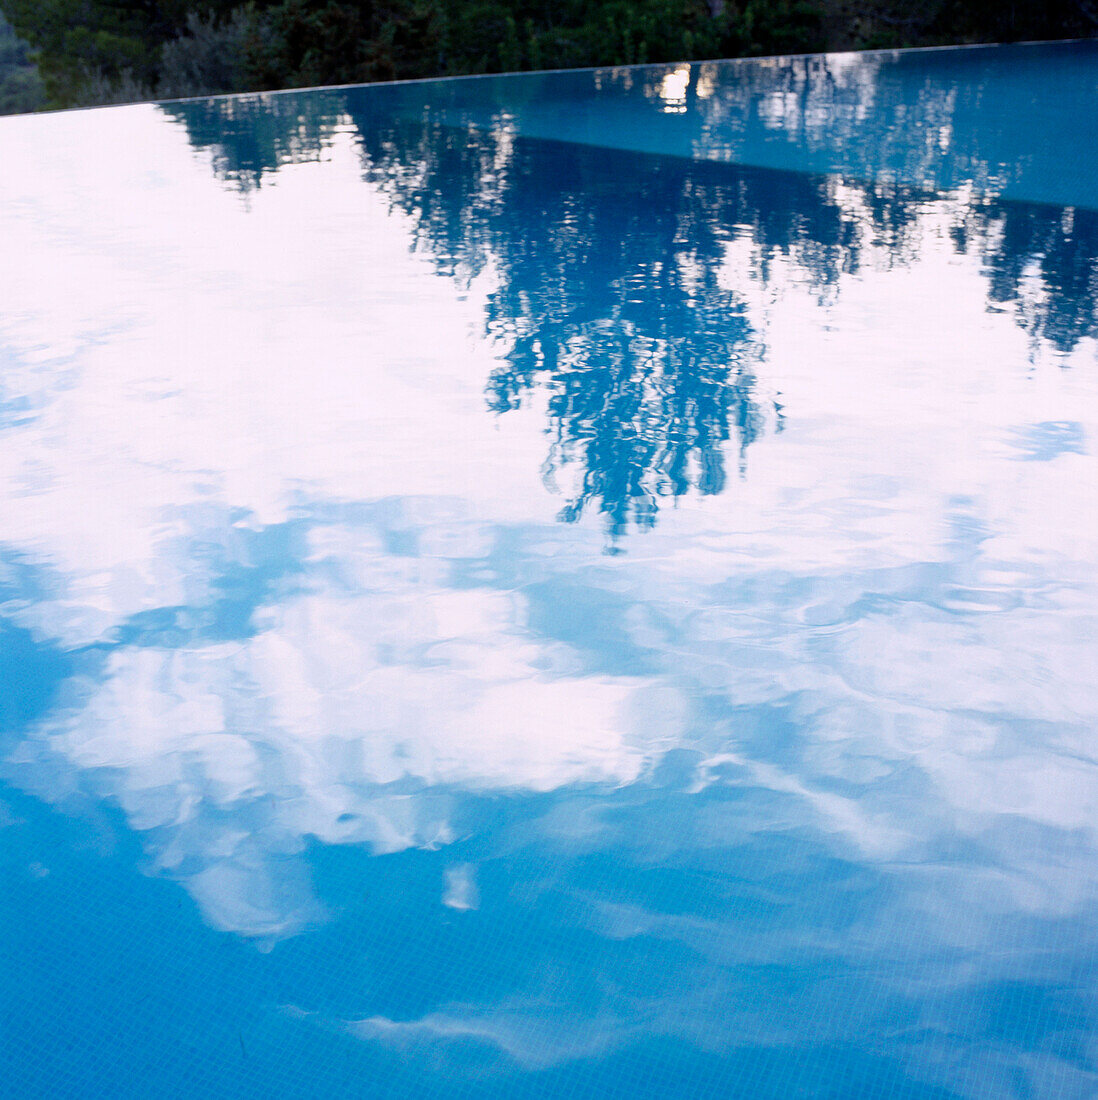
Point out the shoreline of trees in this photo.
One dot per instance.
(72, 53)
(20, 86)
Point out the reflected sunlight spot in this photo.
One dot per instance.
(673, 90)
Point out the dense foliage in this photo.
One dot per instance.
(20, 86)
(108, 50)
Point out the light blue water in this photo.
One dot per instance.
(560, 585)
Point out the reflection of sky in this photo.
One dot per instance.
(797, 789)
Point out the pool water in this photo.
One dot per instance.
(561, 585)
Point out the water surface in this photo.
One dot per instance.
(555, 585)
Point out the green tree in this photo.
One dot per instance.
(97, 44)
(108, 50)
(20, 86)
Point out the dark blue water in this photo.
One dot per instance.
(560, 585)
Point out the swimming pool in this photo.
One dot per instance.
(571, 584)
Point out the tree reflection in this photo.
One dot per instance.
(609, 298)
(1042, 262)
(250, 137)
(613, 299)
